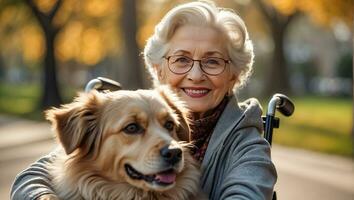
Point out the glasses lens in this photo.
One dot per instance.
(213, 66)
(180, 64)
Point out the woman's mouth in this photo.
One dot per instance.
(196, 92)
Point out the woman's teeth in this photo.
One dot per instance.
(192, 91)
(196, 93)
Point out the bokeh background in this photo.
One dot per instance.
(49, 50)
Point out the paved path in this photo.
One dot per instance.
(309, 175)
(302, 174)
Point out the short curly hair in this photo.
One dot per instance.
(203, 13)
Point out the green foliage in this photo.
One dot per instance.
(320, 124)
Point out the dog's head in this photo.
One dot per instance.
(130, 135)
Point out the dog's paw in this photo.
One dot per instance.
(48, 197)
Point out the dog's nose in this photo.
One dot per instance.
(171, 155)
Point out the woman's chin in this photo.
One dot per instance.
(198, 105)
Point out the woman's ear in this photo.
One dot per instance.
(234, 74)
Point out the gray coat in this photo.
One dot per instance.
(236, 165)
(237, 162)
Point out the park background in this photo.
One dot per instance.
(49, 50)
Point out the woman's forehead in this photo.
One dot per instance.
(188, 40)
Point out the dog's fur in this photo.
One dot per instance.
(103, 132)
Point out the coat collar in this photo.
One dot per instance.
(231, 115)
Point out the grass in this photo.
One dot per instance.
(319, 123)
(22, 100)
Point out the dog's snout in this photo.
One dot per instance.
(171, 155)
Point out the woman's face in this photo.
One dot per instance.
(200, 91)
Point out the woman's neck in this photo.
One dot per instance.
(201, 115)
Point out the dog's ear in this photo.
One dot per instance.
(183, 131)
(77, 123)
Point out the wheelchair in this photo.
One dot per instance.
(278, 102)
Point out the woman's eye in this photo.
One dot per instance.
(169, 125)
(182, 60)
(212, 61)
(133, 128)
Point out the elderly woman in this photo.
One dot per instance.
(204, 53)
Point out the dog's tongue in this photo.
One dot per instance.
(166, 177)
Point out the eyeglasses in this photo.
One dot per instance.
(211, 65)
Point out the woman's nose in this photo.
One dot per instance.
(196, 74)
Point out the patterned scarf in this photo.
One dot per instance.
(202, 130)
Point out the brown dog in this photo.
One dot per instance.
(123, 145)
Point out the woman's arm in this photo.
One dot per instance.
(250, 173)
(34, 182)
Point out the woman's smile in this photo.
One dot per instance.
(196, 92)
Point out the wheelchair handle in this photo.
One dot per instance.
(101, 83)
(282, 103)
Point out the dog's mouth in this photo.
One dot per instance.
(164, 178)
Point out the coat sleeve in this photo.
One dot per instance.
(250, 173)
(33, 181)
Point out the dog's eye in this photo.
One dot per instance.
(169, 125)
(133, 128)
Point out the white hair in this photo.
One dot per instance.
(202, 13)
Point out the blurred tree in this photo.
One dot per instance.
(277, 79)
(51, 95)
(81, 32)
(327, 13)
(322, 12)
(280, 13)
(90, 32)
(132, 69)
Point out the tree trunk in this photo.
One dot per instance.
(278, 76)
(50, 95)
(132, 71)
(50, 92)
